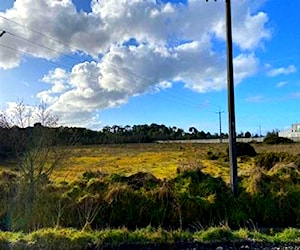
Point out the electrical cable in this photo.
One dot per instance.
(74, 58)
(70, 46)
(68, 67)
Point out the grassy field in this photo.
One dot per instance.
(188, 193)
(162, 160)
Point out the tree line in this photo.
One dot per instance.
(17, 139)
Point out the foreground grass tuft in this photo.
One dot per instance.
(68, 238)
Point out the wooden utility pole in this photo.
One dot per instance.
(231, 109)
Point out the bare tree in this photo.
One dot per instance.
(45, 116)
(35, 150)
(89, 205)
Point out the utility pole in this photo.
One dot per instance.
(231, 109)
(220, 123)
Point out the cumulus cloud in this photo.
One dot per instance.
(137, 47)
(282, 71)
(248, 29)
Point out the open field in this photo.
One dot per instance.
(186, 186)
(162, 160)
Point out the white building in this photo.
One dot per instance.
(292, 133)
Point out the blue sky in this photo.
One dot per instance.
(97, 63)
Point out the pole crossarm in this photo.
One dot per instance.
(2, 33)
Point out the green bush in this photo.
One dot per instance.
(51, 238)
(273, 138)
(288, 235)
(212, 156)
(214, 234)
(245, 149)
(269, 159)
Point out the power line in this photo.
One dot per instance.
(95, 77)
(110, 63)
(26, 53)
(40, 45)
(38, 32)
(144, 79)
(72, 47)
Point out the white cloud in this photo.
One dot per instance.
(245, 65)
(95, 86)
(281, 84)
(172, 44)
(58, 78)
(255, 99)
(115, 22)
(282, 71)
(248, 29)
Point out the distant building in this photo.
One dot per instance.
(292, 133)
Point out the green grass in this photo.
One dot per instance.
(272, 193)
(68, 238)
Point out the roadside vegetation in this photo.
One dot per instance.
(192, 192)
(150, 238)
(66, 194)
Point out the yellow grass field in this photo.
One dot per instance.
(162, 160)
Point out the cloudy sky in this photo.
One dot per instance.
(106, 62)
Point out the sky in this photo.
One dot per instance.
(98, 63)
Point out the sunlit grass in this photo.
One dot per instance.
(68, 238)
(162, 160)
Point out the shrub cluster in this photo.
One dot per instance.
(273, 138)
(268, 197)
(269, 159)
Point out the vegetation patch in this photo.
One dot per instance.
(148, 238)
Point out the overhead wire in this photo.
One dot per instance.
(38, 32)
(69, 68)
(40, 45)
(26, 53)
(68, 45)
(191, 103)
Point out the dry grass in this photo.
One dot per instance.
(162, 160)
(287, 148)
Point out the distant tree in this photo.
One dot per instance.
(240, 135)
(247, 134)
(273, 138)
(194, 132)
